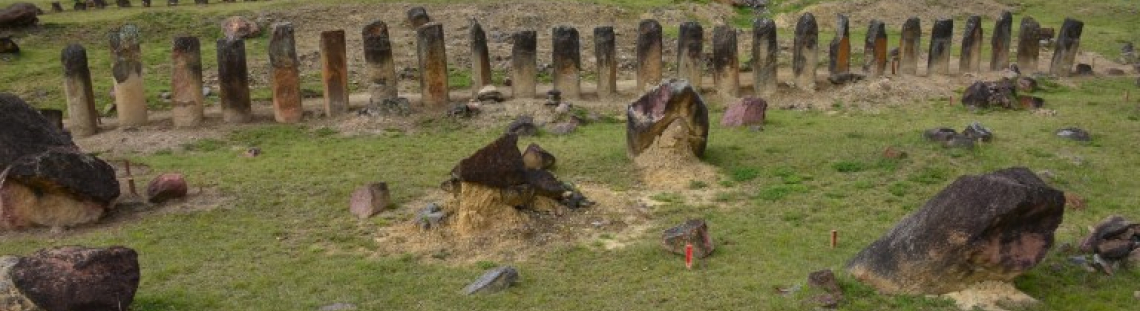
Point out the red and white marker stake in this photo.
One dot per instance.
(689, 256)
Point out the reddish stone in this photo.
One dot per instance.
(238, 27)
(369, 200)
(166, 187)
(694, 232)
(747, 111)
(79, 278)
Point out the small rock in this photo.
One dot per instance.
(166, 187)
(340, 306)
(563, 108)
(553, 97)
(694, 232)
(252, 152)
(563, 128)
(523, 126)
(894, 153)
(536, 158)
(490, 93)
(418, 16)
(493, 281)
(164, 95)
(1030, 102)
(1136, 294)
(1134, 259)
(206, 91)
(1073, 133)
(940, 134)
(8, 46)
(825, 280)
(369, 200)
(430, 216)
(1084, 70)
(977, 132)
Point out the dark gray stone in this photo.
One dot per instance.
(693, 232)
(493, 281)
(1074, 133)
(79, 278)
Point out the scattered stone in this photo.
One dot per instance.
(1073, 133)
(493, 281)
(340, 306)
(79, 278)
(694, 232)
(671, 102)
(8, 46)
(46, 179)
(844, 78)
(369, 200)
(990, 94)
(1113, 239)
(252, 152)
(523, 126)
(536, 158)
(1030, 102)
(894, 153)
(825, 280)
(977, 132)
(239, 27)
(1084, 70)
(418, 16)
(959, 141)
(430, 216)
(990, 227)
(940, 134)
(747, 111)
(19, 15)
(562, 109)
(563, 128)
(166, 187)
(1026, 84)
(490, 93)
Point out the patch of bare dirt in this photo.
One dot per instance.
(990, 296)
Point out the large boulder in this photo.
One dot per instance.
(44, 178)
(671, 102)
(990, 227)
(987, 94)
(498, 165)
(78, 278)
(19, 14)
(747, 111)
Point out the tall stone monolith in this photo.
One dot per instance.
(971, 56)
(765, 50)
(567, 61)
(875, 49)
(524, 68)
(999, 58)
(726, 62)
(839, 60)
(233, 81)
(1065, 53)
(480, 58)
(285, 74)
(334, 72)
(380, 67)
(130, 96)
(83, 119)
(1028, 45)
(805, 52)
(605, 54)
(186, 82)
(910, 42)
(690, 42)
(432, 54)
(941, 39)
(649, 65)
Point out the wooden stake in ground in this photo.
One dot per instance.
(380, 69)
(130, 97)
(480, 58)
(649, 63)
(1028, 45)
(909, 43)
(805, 52)
(726, 62)
(999, 58)
(690, 42)
(334, 72)
(1065, 53)
(186, 82)
(432, 54)
(834, 238)
(840, 47)
(83, 118)
(971, 56)
(567, 60)
(765, 50)
(233, 81)
(524, 69)
(875, 49)
(286, 85)
(941, 39)
(605, 53)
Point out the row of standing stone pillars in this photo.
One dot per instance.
(56, 6)
(567, 65)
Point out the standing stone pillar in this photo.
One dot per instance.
(971, 56)
(524, 64)
(205, 2)
(840, 48)
(82, 116)
(417, 16)
(1028, 45)
(875, 49)
(567, 61)
(186, 82)
(690, 42)
(130, 98)
(605, 52)
(233, 81)
(380, 68)
(805, 52)
(941, 38)
(765, 50)
(999, 59)
(432, 55)
(286, 85)
(334, 72)
(726, 62)
(1065, 53)
(909, 43)
(480, 58)
(649, 63)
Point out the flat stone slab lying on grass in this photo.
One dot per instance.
(493, 281)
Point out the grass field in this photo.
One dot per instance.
(286, 241)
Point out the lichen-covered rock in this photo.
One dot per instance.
(649, 117)
(990, 227)
(1000, 93)
(694, 232)
(79, 278)
(493, 281)
(499, 164)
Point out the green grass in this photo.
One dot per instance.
(286, 242)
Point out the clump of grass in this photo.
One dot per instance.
(849, 166)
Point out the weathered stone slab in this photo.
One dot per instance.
(78, 278)
(649, 65)
(875, 49)
(233, 81)
(493, 281)
(690, 43)
(1028, 46)
(367, 200)
(285, 74)
(480, 57)
(909, 44)
(83, 120)
(432, 54)
(567, 61)
(1003, 28)
(940, 42)
(186, 82)
(726, 62)
(765, 51)
(693, 232)
(380, 67)
(748, 111)
(649, 116)
(971, 56)
(805, 52)
(605, 53)
(524, 68)
(1065, 53)
(334, 72)
(840, 48)
(990, 227)
(498, 165)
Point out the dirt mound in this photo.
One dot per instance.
(669, 164)
(892, 12)
(990, 296)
